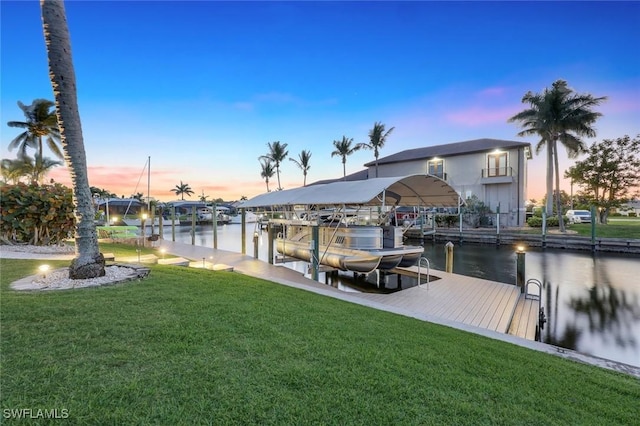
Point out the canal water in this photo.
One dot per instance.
(591, 300)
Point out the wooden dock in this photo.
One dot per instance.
(472, 301)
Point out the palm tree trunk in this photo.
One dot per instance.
(278, 173)
(549, 204)
(558, 201)
(89, 262)
(344, 170)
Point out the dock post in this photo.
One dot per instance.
(193, 225)
(315, 249)
(255, 244)
(243, 245)
(520, 277)
(498, 225)
(214, 219)
(593, 228)
(544, 229)
(173, 223)
(448, 248)
(270, 237)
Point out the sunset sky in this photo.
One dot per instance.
(202, 87)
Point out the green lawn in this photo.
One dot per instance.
(190, 346)
(618, 227)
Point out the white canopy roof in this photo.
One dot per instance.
(413, 190)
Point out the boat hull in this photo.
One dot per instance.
(345, 260)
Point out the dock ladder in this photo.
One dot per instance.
(541, 316)
(423, 261)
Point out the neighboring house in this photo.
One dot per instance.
(632, 206)
(494, 170)
(120, 206)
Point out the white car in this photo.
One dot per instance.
(578, 216)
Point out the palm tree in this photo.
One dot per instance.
(558, 115)
(182, 189)
(277, 154)
(35, 169)
(40, 123)
(303, 163)
(344, 149)
(377, 138)
(89, 262)
(13, 170)
(267, 171)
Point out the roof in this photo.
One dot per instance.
(413, 190)
(450, 149)
(361, 175)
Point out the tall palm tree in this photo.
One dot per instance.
(558, 115)
(344, 149)
(303, 162)
(377, 138)
(89, 262)
(277, 154)
(267, 170)
(40, 123)
(182, 189)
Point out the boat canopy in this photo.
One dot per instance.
(412, 190)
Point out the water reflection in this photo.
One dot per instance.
(591, 300)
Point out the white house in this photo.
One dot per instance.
(494, 170)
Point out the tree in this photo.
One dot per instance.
(89, 262)
(40, 123)
(303, 163)
(344, 149)
(183, 189)
(243, 198)
(377, 138)
(203, 198)
(138, 196)
(267, 170)
(277, 154)
(558, 115)
(610, 174)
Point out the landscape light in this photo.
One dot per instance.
(43, 269)
(520, 249)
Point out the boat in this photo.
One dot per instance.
(355, 221)
(250, 217)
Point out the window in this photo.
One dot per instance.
(436, 168)
(497, 164)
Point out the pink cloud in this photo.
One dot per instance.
(477, 116)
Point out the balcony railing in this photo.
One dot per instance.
(497, 172)
(441, 175)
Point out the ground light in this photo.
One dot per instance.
(44, 269)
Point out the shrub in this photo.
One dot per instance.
(633, 214)
(36, 214)
(536, 221)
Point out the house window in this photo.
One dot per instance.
(497, 164)
(436, 168)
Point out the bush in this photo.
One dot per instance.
(633, 214)
(36, 214)
(536, 221)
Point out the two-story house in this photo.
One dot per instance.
(494, 170)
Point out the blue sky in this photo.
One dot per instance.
(202, 87)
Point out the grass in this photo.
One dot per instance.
(628, 228)
(189, 346)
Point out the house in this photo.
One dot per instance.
(494, 170)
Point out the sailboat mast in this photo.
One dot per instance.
(149, 184)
